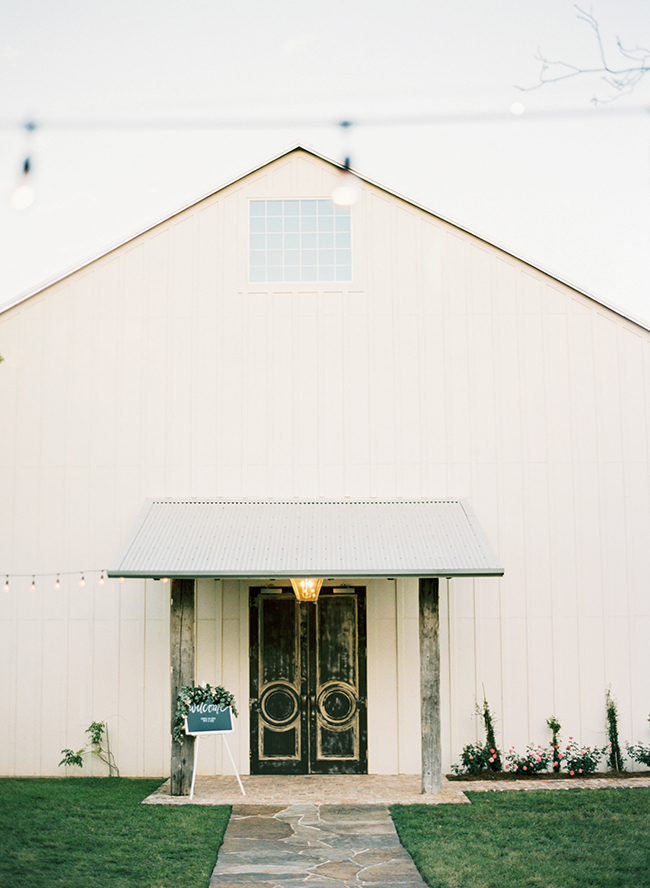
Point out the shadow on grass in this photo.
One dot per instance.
(89, 832)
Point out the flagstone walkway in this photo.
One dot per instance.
(330, 846)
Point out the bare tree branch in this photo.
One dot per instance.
(622, 78)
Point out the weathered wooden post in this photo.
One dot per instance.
(182, 660)
(430, 686)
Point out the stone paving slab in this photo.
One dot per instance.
(312, 789)
(362, 789)
(325, 846)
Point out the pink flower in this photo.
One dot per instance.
(492, 751)
(572, 773)
(525, 768)
(579, 770)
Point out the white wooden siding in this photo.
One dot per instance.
(446, 368)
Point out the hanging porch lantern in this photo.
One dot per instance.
(307, 589)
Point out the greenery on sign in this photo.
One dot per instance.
(555, 727)
(204, 693)
(576, 839)
(614, 756)
(88, 832)
(536, 759)
(96, 732)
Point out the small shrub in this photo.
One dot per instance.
(555, 727)
(579, 760)
(494, 759)
(474, 759)
(639, 753)
(96, 732)
(536, 759)
(614, 756)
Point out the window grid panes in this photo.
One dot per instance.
(299, 240)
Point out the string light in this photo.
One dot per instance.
(121, 579)
(56, 585)
(23, 194)
(346, 192)
(165, 580)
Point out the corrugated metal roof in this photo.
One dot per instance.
(194, 538)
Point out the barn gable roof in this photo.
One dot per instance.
(297, 148)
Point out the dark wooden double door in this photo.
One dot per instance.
(308, 683)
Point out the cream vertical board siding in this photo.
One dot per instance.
(445, 368)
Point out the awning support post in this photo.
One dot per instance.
(182, 645)
(430, 686)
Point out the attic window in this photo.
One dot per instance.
(299, 240)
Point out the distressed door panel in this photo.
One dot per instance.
(337, 685)
(278, 685)
(308, 684)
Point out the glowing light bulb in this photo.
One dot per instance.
(23, 194)
(57, 585)
(6, 585)
(347, 191)
(82, 581)
(22, 197)
(101, 579)
(32, 588)
(165, 580)
(121, 579)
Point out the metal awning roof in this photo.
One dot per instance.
(269, 539)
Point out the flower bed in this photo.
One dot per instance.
(545, 775)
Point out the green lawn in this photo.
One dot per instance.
(87, 832)
(579, 838)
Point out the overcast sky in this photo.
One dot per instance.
(570, 191)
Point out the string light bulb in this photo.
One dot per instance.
(165, 580)
(57, 585)
(346, 192)
(101, 579)
(32, 588)
(6, 585)
(82, 581)
(121, 579)
(23, 194)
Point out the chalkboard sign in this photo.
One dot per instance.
(208, 718)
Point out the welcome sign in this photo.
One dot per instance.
(208, 718)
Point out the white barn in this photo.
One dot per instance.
(266, 352)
